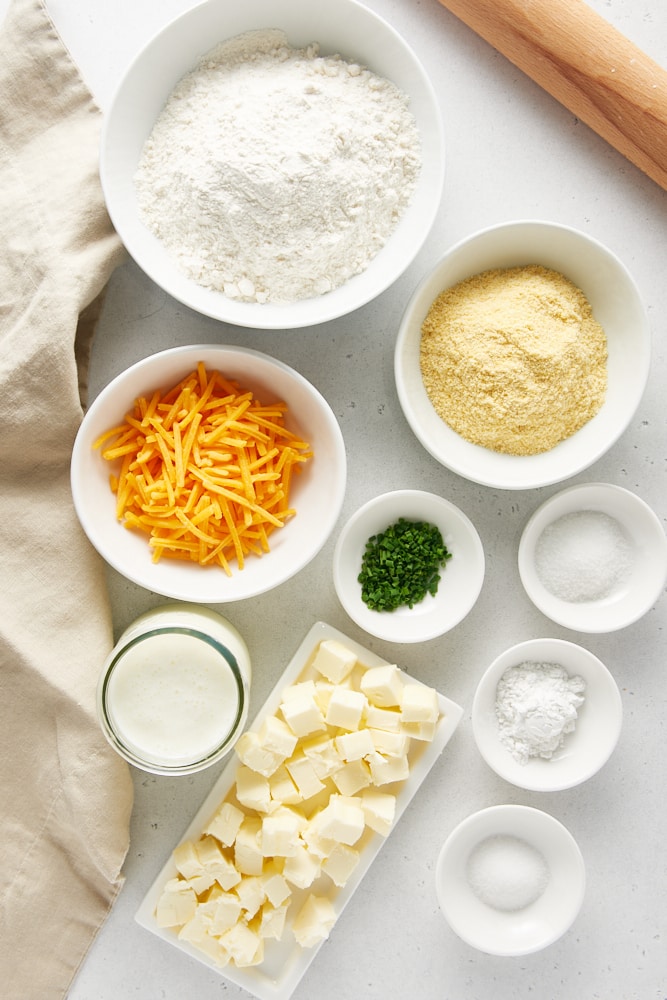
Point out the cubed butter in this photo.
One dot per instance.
(354, 745)
(388, 719)
(282, 788)
(302, 715)
(201, 883)
(342, 820)
(351, 777)
(250, 891)
(419, 704)
(390, 744)
(252, 789)
(385, 770)
(248, 855)
(243, 944)
(322, 754)
(225, 823)
(334, 660)
(272, 923)
(314, 921)
(379, 809)
(346, 708)
(277, 737)
(176, 905)
(216, 863)
(340, 864)
(303, 775)
(276, 887)
(197, 933)
(323, 692)
(196, 928)
(424, 731)
(383, 685)
(280, 833)
(297, 689)
(187, 861)
(301, 868)
(250, 752)
(225, 912)
(312, 837)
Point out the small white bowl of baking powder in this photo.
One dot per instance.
(546, 715)
(265, 204)
(510, 880)
(593, 558)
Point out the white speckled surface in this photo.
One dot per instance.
(513, 152)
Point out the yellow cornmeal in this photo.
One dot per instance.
(513, 359)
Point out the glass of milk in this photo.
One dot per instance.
(173, 695)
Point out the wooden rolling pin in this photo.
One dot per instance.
(587, 65)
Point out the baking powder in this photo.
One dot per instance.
(274, 174)
(536, 707)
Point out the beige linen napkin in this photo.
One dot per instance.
(65, 797)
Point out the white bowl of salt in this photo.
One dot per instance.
(593, 558)
(546, 715)
(510, 880)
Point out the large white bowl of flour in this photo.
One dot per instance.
(269, 202)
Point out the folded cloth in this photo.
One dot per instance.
(65, 796)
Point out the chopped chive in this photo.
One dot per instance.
(401, 565)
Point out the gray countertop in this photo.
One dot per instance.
(512, 152)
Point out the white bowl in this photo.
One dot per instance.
(317, 493)
(525, 930)
(617, 307)
(635, 593)
(583, 751)
(461, 577)
(340, 26)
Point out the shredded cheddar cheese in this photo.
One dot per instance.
(204, 469)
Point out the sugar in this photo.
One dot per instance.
(507, 873)
(583, 556)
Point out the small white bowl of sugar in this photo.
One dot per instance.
(546, 715)
(510, 880)
(593, 558)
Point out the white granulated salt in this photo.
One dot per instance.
(583, 556)
(536, 707)
(507, 873)
(274, 174)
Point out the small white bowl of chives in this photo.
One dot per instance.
(593, 558)
(392, 575)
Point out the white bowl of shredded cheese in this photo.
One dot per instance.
(244, 168)
(231, 484)
(523, 355)
(546, 715)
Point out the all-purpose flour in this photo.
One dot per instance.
(274, 174)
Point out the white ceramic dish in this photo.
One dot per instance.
(285, 962)
(617, 306)
(635, 594)
(317, 493)
(523, 931)
(342, 26)
(584, 751)
(461, 578)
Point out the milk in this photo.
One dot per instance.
(174, 693)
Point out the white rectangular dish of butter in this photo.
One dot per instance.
(286, 834)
